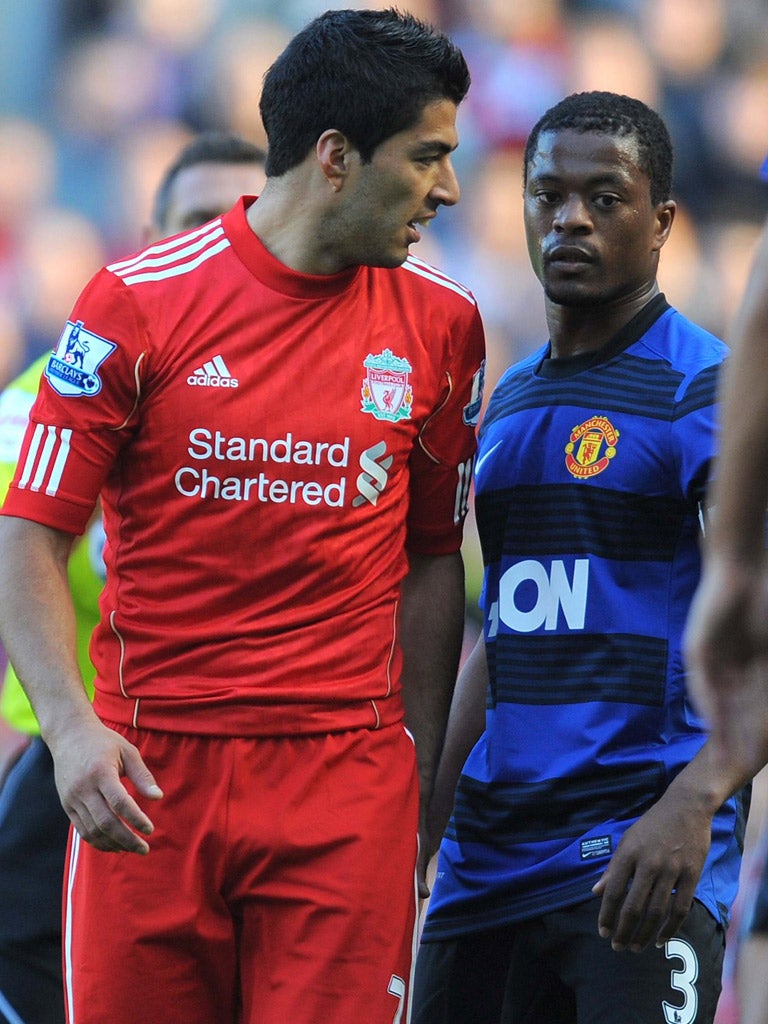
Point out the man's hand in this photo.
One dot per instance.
(648, 886)
(89, 764)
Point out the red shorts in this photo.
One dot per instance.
(279, 888)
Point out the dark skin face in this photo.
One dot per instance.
(594, 236)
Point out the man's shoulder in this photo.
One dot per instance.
(683, 343)
(520, 373)
(172, 261)
(423, 277)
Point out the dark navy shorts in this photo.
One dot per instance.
(33, 840)
(556, 969)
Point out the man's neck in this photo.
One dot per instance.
(578, 330)
(292, 227)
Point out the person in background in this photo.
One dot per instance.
(726, 637)
(594, 844)
(277, 411)
(206, 178)
(726, 640)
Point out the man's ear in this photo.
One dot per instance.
(333, 151)
(665, 215)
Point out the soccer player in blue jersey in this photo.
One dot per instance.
(592, 855)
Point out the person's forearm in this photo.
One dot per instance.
(740, 487)
(37, 622)
(431, 631)
(706, 782)
(37, 625)
(466, 722)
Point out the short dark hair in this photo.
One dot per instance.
(207, 147)
(367, 73)
(613, 114)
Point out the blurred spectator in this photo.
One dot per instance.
(107, 87)
(26, 170)
(12, 355)
(228, 92)
(137, 162)
(685, 39)
(27, 174)
(175, 26)
(731, 245)
(32, 29)
(683, 272)
(607, 53)
(735, 122)
(491, 251)
(58, 250)
(516, 52)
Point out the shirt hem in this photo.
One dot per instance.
(212, 718)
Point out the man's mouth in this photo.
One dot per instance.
(418, 224)
(565, 256)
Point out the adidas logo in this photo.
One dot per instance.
(213, 374)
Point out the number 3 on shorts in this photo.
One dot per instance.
(684, 981)
(396, 987)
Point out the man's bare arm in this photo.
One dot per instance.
(37, 625)
(726, 640)
(431, 632)
(466, 723)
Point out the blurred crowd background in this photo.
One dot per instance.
(97, 97)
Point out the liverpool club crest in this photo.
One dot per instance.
(386, 393)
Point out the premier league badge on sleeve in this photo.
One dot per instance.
(72, 368)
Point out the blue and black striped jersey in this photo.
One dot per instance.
(590, 479)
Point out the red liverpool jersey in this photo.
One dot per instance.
(267, 446)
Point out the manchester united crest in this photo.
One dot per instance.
(386, 392)
(591, 447)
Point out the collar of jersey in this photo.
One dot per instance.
(270, 271)
(554, 369)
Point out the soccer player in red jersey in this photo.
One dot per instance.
(277, 410)
(205, 179)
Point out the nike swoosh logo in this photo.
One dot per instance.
(486, 455)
